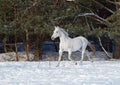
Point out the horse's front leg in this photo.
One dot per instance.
(69, 56)
(60, 56)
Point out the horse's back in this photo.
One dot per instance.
(77, 43)
(82, 39)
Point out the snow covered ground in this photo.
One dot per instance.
(46, 73)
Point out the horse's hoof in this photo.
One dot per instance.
(76, 63)
(57, 65)
(92, 61)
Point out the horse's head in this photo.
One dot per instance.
(56, 33)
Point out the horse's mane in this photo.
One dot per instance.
(63, 31)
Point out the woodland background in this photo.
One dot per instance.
(32, 22)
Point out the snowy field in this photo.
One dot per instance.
(46, 73)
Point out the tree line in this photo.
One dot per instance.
(32, 21)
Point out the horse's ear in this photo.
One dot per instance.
(56, 27)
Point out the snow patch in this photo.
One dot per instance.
(11, 56)
(46, 73)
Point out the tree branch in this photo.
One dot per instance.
(118, 3)
(98, 38)
(104, 48)
(103, 6)
(30, 7)
(102, 45)
(96, 17)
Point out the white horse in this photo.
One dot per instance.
(70, 44)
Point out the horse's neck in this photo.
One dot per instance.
(64, 38)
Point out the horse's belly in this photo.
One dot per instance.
(65, 48)
(70, 47)
(76, 48)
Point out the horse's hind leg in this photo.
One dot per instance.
(88, 55)
(83, 51)
(82, 56)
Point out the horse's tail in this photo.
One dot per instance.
(92, 48)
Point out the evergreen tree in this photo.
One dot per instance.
(28, 18)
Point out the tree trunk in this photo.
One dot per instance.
(16, 48)
(4, 44)
(116, 53)
(27, 45)
(38, 48)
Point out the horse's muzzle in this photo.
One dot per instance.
(52, 38)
